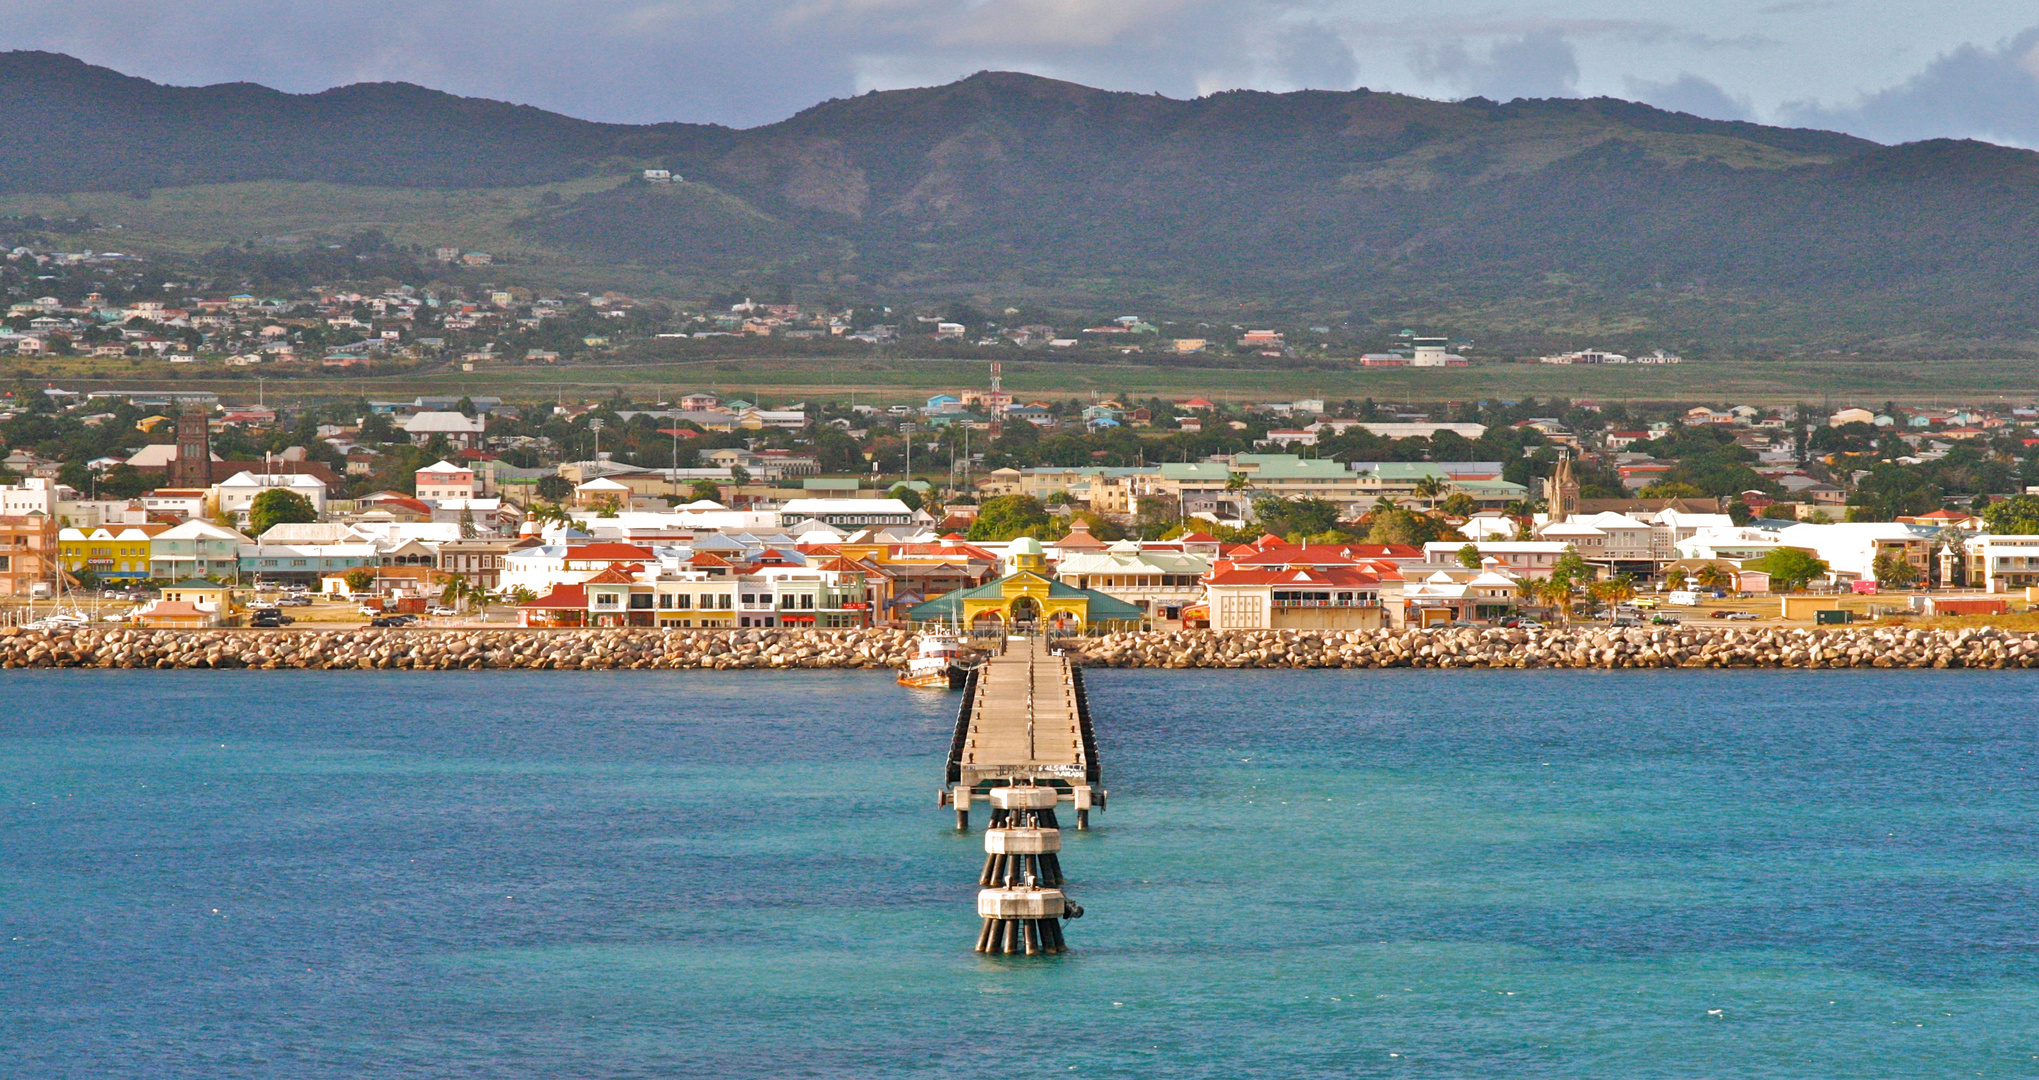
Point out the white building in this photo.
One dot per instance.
(849, 513)
(1525, 559)
(1149, 580)
(1735, 544)
(1605, 537)
(35, 495)
(2000, 562)
(1850, 548)
(237, 492)
(459, 429)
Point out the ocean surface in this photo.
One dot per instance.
(1301, 874)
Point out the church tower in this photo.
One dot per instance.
(193, 466)
(1561, 489)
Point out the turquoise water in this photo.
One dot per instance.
(1422, 874)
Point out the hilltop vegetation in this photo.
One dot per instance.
(1537, 223)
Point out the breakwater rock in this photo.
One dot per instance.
(443, 649)
(1573, 647)
(456, 649)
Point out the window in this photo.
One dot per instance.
(640, 601)
(807, 601)
(683, 601)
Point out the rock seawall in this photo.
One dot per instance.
(1576, 647)
(583, 650)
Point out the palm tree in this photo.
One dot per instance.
(1676, 578)
(1430, 489)
(1711, 576)
(549, 513)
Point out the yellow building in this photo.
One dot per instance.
(1028, 597)
(114, 552)
(205, 594)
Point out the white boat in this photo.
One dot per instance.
(940, 662)
(62, 620)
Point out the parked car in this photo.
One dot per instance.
(441, 611)
(1662, 619)
(269, 617)
(295, 601)
(1742, 616)
(386, 620)
(1627, 620)
(1528, 624)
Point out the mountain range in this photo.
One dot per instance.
(1501, 219)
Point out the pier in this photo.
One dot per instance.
(1023, 745)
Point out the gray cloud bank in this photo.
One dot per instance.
(746, 62)
(1989, 94)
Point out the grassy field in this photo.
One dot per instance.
(879, 379)
(200, 218)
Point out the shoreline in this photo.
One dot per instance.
(452, 649)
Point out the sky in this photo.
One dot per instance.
(1883, 69)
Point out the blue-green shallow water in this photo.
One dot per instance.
(1425, 874)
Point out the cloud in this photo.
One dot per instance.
(1539, 64)
(1313, 56)
(1689, 93)
(1972, 92)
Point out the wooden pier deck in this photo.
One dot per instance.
(1024, 721)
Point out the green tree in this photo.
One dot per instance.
(838, 452)
(909, 496)
(1789, 568)
(1674, 579)
(1458, 505)
(2017, 515)
(1894, 570)
(1430, 489)
(360, 580)
(1286, 517)
(1008, 517)
(1469, 556)
(554, 489)
(1407, 527)
(278, 506)
(703, 490)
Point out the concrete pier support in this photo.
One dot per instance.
(1022, 903)
(1023, 743)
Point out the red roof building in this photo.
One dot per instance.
(563, 605)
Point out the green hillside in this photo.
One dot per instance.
(1527, 222)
